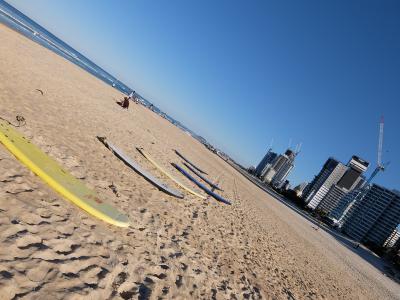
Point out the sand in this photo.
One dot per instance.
(175, 248)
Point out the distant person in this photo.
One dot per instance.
(124, 103)
(133, 97)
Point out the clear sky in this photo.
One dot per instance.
(241, 73)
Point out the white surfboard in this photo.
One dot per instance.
(138, 169)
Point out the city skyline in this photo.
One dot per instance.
(129, 133)
(328, 92)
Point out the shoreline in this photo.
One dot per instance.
(188, 248)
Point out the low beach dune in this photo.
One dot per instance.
(175, 248)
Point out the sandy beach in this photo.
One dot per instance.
(187, 248)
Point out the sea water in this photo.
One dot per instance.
(19, 22)
(16, 20)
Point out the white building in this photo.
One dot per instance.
(330, 174)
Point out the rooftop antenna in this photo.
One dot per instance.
(298, 148)
(270, 144)
(290, 143)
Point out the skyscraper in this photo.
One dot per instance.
(330, 174)
(331, 199)
(300, 189)
(393, 239)
(279, 168)
(318, 180)
(374, 216)
(350, 180)
(267, 159)
(283, 171)
(339, 213)
(272, 158)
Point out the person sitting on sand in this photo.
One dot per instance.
(124, 103)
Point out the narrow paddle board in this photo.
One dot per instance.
(189, 162)
(202, 177)
(150, 159)
(57, 178)
(211, 193)
(138, 169)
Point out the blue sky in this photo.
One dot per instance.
(241, 73)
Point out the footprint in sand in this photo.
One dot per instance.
(32, 219)
(28, 241)
(62, 246)
(179, 281)
(127, 290)
(39, 272)
(66, 230)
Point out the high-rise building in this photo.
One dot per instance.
(300, 189)
(279, 169)
(331, 199)
(282, 174)
(350, 180)
(338, 207)
(374, 216)
(393, 239)
(339, 213)
(330, 174)
(285, 185)
(318, 180)
(267, 167)
(269, 174)
(267, 160)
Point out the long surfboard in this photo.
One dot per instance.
(189, 162)
(203, 178)
(211, 193)
(58, 178)
(138, 169)
(166, 173)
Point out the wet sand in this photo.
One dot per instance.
(175, 248)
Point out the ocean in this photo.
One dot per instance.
(21, 23)
(16, 20)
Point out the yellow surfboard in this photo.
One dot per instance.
(59, 179)
(148, 157)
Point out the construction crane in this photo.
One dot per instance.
(298, 148)
(361, 192)
(380, 166)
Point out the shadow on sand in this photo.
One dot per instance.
(379, 263)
